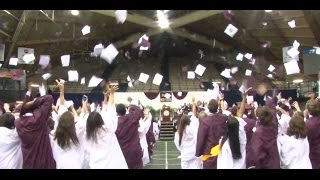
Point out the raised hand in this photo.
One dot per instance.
(113, 89)
(246, 91)
(193, 99)
(279, 96)
(60, 84)
(31, 85)
(296, 105)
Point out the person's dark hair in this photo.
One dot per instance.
(232, 133)
(121, 109)
(297, 127)
(7, 120)
(250, 113)
(234, 111)
(184, 121)
(66, 131)
(284, 107)
(25, 108)
(94, 123)
(202, 115)
(11, 107)
(264, 115)
(313, 107)
(50, 91)
(50, 123)
(213, 106)
(298, 113)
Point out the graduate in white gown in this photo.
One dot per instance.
(233, 145)
(102, 149)
(185, 139)
(294, 146)
(67, 145)
(156, 130)
(10, 145)
(144, 125)
(284, 120)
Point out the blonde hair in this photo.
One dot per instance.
(202, 115)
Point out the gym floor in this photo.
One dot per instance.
(165, 156)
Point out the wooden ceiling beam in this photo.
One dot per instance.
(277, 29)
(175, 24)
(16, 35)
(5, 33)
(314, 26)
(133, 18)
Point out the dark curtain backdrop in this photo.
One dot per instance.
(151, 95)
(184, 94)
(231, 97)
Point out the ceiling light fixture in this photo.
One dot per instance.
(268, 11)
(297, 81)
(163, 21)
(75, 12)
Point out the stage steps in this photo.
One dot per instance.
(166, 131)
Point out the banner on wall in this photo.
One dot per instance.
(285, 55)
(2, 48)
(21, 52)
(166, 96)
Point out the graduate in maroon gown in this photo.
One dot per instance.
(128, 135)
(33, 132)
(313, 132)
(211, 129)
(264, 150)
(249, 127)
(150, 140)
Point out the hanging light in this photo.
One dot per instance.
(75, 12)
(268, 11)
(163, 21)
(297, 81)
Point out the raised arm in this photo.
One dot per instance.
(243, 103)
(28, 97)
(60, 85)
(43, 108)
(109, 114)
(194, 109)
(112, 90)
(84, 108)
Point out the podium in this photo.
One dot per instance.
(166, 114)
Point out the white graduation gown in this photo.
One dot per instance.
(106, 153)
(10, 149)
(188, 146)
(283, 124)
(143, 130)
(156, 130)
(73, 157)
(225, 159)
(294, 153)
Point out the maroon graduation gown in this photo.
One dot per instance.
(313, 133)
(264, 152)
(34, 135)
(150, 139)
(128, 137)
(248, 128)
(210, 131)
